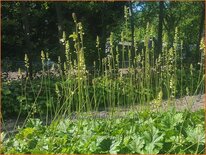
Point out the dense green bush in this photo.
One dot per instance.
(18, 96)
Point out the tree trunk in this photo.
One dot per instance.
(103, 38)
(201, 29)
(60, 34)
(160, 27)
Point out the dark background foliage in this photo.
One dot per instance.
(29, 27)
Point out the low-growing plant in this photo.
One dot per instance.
(133, 133)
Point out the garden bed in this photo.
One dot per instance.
(137, 132)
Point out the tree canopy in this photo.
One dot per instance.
(29, 27)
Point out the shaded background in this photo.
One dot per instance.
(29, 27)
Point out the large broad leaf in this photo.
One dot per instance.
(104, 143)
(137, 144)
(116, 145)
(153, 139)
(196, 135)
(170, 120)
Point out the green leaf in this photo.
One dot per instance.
(6, 92)
(21, 98)
(196, 135)
(105, 144)
(2, 136)
(137, 144)
(154, 140)
(116, 145)
(74, 36)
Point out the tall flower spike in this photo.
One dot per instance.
(191, 69)
(67, 50)
(19, 72)
(202, 45)
(47, 55)
(125, 12)
(74, 17)
(42, 57)
(26, 61)
(97, 42)
(111, 39)
(64, 37)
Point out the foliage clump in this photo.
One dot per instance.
(164, 132)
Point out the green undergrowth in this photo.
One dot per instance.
(137, 132)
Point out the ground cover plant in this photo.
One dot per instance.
(59, 106)
(137, 132)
